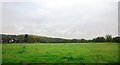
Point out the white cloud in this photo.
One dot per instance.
(59, 0)
(61, 18)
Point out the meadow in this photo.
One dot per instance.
(60, 53)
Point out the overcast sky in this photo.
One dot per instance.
(61, 18)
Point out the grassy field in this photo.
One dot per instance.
(60, 53)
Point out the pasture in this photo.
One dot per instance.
(60, 53)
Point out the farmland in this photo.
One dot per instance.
(60, 53)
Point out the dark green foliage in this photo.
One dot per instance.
(116, 39)
(20, 52)
(108, 38)
(71, 58)
(64, 57)
(99, 39)
(24, 47)
(42, 39)
(26, 38)
(3, 52)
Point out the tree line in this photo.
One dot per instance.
(27, 38)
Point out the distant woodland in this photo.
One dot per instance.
(28, 38)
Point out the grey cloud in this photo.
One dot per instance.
(66, 19)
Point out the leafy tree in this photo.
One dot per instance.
(83, 40)
(42, 39)
(108, 38)
(26, 38)
(116, 39)
(99, 39)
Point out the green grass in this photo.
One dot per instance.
(60, 53)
